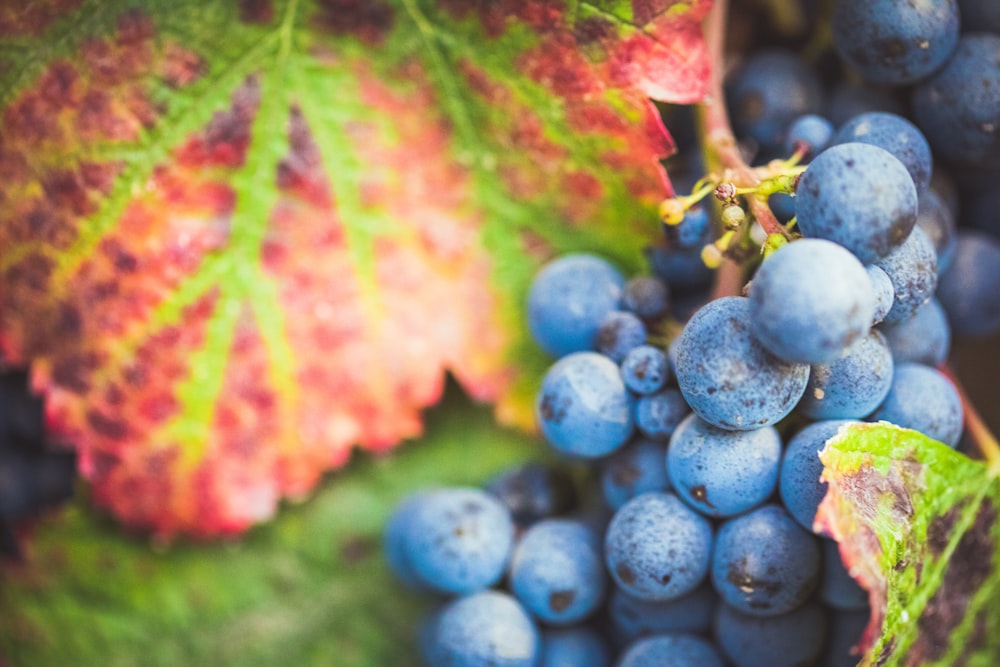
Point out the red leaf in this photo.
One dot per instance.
(242, 240)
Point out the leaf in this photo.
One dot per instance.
(310, 588)
(240, 238)
(917, 522)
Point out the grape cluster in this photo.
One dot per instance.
(679, 527)
(34, 475)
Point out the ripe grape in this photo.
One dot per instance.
(727, 377)
(858, 196)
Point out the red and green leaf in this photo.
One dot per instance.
(241, 238)
(917, 522)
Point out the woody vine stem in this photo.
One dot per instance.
(730, 173)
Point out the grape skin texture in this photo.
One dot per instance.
(923, 399)
(764, 563)
(584, 408)
(645, 369)
(882, 289)
(970, 289)
(632, 618)
(958, 108)
(620, 332)
(658, 415)
(789, 640)
(458, 540)
(858, 196)
(912, 268)
(646, 296)
(893, 42)
(810, 301)
(670, 651)
(812, 130)
(723, 473)
(798, 483)
(895, 134)
(638, 467)
(557, 572)
(574, 647)
(487, 628)
(937, 221)
(657, 548)
(925, 338)
(568, 300)
(852, 386)
(728, 378)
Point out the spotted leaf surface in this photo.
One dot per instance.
(918, 527)
(238, 239)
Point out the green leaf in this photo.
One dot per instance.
(310, 588)
(240, 238)
(917, 522)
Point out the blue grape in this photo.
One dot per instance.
(533, 491)
(657, 548)
(681, 268)
(923, 399)
(675, 650)
(882, 289)
(935, 218)
(958, 109)
(790, 640)
(970, 288)
(657, 415)
(574, 647)
(692, 232)
(458, 540)
(584, 408)
(925, 338)
(636, 468)
(769, 91)
(557, 572)
(568, 300)
(394, 540)
(798, 483)
(839, 590)
(912, 268)
(645, 369)
(728, 378)
(486, 629)
(631, 617)
(764, 563)
(619, 333)
(648, 297)
(859, 196)
(846, 628)
(854, 385)
(782, 205)
(723, 473)
(810, 130)
(810, 301)
(892, 42)
(895, 134)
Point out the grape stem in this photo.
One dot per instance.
(721, 151)
(717, 132)
(975, 427)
